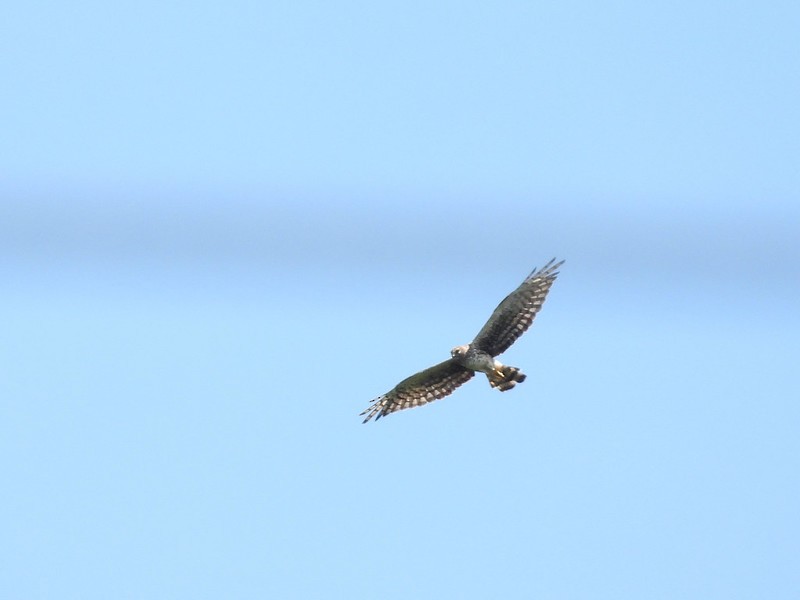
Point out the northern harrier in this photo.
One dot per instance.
(510, 319)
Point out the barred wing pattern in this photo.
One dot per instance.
(426, 386)
(514, 315)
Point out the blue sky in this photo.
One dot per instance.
(224, 228)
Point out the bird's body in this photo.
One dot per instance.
(508, 322)
(474, 358)
(499, 375)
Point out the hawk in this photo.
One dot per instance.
(509, 321)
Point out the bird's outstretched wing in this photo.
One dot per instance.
(426, 386)
(516, 312)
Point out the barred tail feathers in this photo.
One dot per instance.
(505, 378)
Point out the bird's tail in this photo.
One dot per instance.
(505, 378)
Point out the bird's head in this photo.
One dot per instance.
(459, 351)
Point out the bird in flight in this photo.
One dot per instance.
(508, 322)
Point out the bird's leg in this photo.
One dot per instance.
(498, 368)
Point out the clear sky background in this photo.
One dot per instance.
(226, 227)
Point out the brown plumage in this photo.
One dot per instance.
(426, 386)
(505, 378)
(512, 317)
(515, 314)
